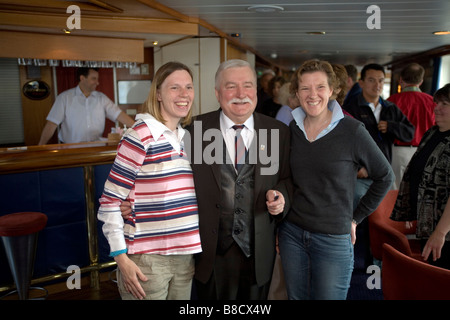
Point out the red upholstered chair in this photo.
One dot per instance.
(19, 233)
(384, 230)
(405, 278)
(384, 210)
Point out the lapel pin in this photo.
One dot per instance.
(263, 147)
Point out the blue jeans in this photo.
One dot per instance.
(316, 266)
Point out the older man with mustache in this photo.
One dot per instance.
(239, 207)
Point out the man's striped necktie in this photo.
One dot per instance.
(239, 148)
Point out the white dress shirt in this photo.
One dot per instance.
(226, 126)
(376, 110)
(82, 118)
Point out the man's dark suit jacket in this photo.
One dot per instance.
(207, 178)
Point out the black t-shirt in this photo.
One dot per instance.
(417, 165)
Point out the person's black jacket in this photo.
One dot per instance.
(398, 127)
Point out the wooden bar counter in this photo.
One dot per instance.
(51, 156)
(63, 181)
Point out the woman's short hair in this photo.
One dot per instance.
(314, 66)
(152, 105)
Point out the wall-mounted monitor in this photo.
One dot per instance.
(133, 92)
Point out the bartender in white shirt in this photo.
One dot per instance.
(81, 112)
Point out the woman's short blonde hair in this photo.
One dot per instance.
(152, 105)
(313, 66)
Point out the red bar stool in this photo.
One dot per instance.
(19, 232)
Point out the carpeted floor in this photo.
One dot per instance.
(359, 289)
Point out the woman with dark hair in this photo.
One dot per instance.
(425, 188)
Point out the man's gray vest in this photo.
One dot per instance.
(236, 214)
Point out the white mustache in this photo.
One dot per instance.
(236, 100)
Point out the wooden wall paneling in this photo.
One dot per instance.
(101, 23)
(70, 47)
(234, 52)
(35, 111)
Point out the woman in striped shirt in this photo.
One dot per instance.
(154, 248)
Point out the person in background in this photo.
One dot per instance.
(384, 121)
(317, 236)
(271, 106)
(362, 232)
(424, 190)
(418, 107)
(154, 248)
(263, 88)
(81, 112)
(341, 77)
(353, 88)
(289, 102)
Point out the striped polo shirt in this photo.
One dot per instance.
(151, 170)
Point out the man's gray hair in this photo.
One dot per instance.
(233, 63)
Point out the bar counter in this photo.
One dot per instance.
(63, 181)
(52, 156)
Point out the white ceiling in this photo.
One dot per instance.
(406, 26)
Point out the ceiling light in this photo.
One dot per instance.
(155, 43)
(316, 32)
(265, 8)
(440, 33)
